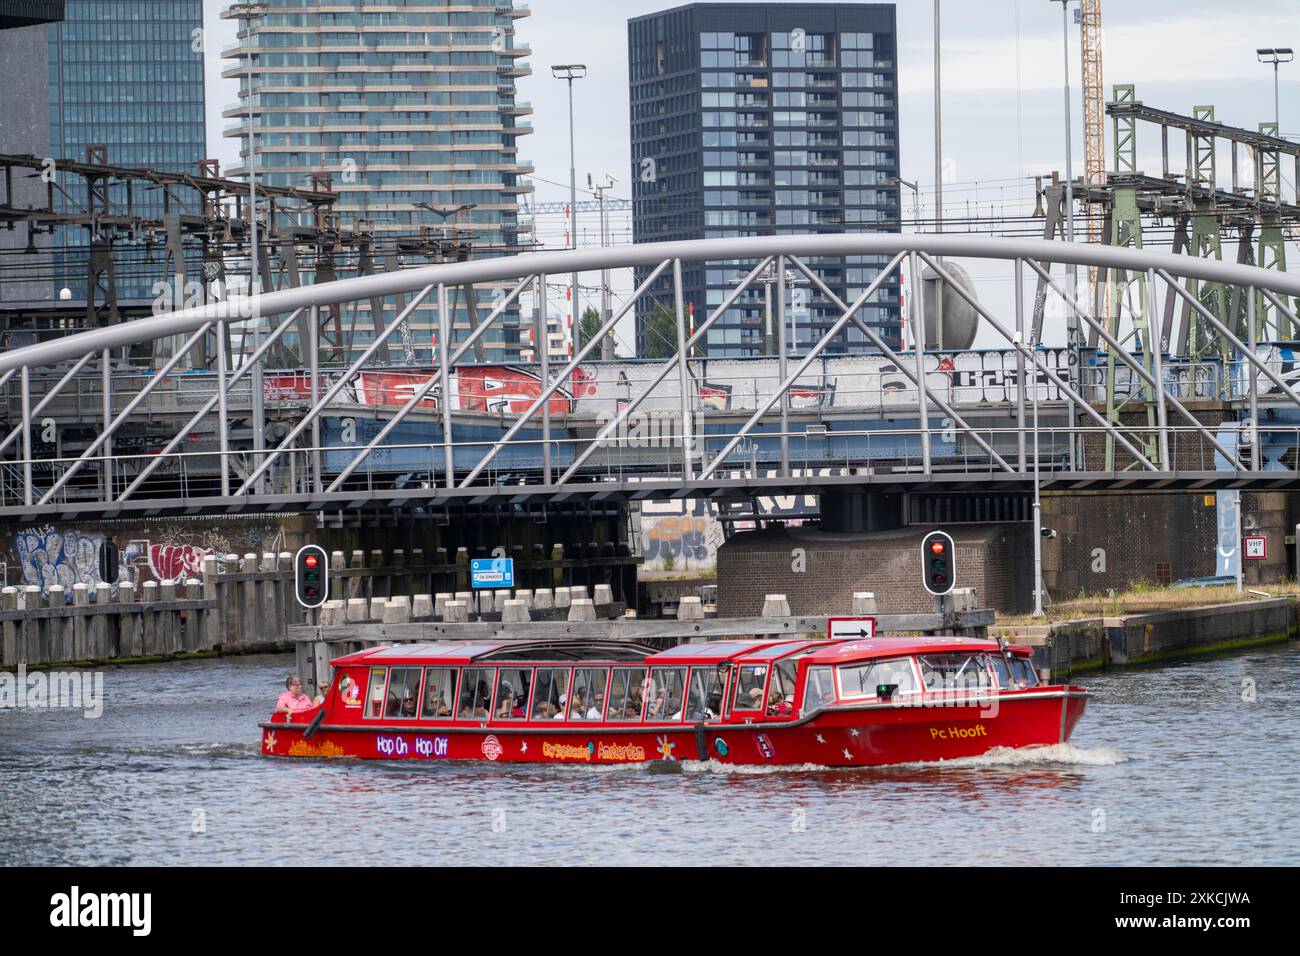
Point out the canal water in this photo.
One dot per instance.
(1190, 763)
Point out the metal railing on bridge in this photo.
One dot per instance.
(1127, 417)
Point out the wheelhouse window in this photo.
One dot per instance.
(1022, 669)
(375, 696)
(512, 693)
(667, 694)
(1015, 675)
(476, 693)
(588, 693)
(439, 692)
(748, 696)
(704, 700)
(867, 679)
(403, 692)
(780, 692)
(550, 694)
(956, 672)
(819, 691)
(626, 693)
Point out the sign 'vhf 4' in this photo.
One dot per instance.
(311, 580)
(938, 563)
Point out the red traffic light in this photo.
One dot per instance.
(938, 547)
(311, 560)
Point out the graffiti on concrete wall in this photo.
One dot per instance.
(48, 555)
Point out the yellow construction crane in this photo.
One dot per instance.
(1094, 108)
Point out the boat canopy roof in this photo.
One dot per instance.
(464, 653)
(842, 652)
(461, 653)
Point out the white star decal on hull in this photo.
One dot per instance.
(847, 755)
(821, 739)
(523, 747)
(853, 732)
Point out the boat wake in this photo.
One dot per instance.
(1052, 755)
(1046, 755)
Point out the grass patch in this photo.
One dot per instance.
(1142, 597)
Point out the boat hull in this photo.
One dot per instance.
(877, 735)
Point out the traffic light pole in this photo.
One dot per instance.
(1038, 521)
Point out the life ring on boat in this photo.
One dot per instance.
(314, 725)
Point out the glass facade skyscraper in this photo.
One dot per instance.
(126, 75)
(410, 108)
(763, 119)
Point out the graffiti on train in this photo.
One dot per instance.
(720, 385)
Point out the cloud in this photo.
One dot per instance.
(1177, 49)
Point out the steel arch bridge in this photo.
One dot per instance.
(1124, 416)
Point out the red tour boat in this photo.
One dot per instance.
(829, 703)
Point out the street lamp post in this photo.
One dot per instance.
(1038, 500)
(570, 72)
(1276, 55)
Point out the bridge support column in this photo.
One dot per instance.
(858, 512)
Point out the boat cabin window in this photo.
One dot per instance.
(588, 693)
(780, 692)
(1019, 674)
(439, 692)
(748, 696)
(375, 696)
(865, 679)
(818, 692)
(1022, 669)
(512, 693)
(667, 694)
(403, 692)
(626, 693)
(961, 671)
(550, 694)
(704, 700)
(476, 693)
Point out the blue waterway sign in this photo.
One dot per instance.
(492, 573)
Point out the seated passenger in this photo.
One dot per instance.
(408, 704)
(435, 706)
(579, 704)
(597, 707)
(293, 700)
(778, 706)
(657, 706)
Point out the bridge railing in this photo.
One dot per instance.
(1118, 394)
(625, 460)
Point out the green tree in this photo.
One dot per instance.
(660, 333)
(588, 327)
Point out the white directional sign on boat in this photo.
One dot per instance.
(845, 628)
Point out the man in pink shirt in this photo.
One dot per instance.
(293, 700)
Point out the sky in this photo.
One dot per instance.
(1002, 101)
